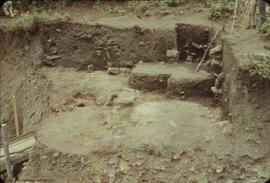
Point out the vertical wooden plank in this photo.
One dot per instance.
(16, 121)
(6, 150)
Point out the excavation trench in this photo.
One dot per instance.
(148, 105)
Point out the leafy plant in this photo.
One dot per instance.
(26, 20)
(216, 7)
(265, 29)
(144, 5)
(260, 67)
(163, 6)
(215, 10)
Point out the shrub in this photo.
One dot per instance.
(265, 29)
(26, 20)
(260, 67)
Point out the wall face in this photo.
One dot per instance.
(246, 97)
(68, 45)
(20, 58)
(192, 41)
(77, 45)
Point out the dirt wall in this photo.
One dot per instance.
(78, 45)
(23, 52)
(246, 97)
(20, 59)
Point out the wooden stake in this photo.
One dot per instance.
(234, 13)
(6, 150)
(16, 121)
(206, 51)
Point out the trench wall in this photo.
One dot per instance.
(246, 97)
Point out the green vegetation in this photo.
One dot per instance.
(217, 7)
(144, 6)
(28, 19)
(265, 29)
(260, 67)
(263, 172)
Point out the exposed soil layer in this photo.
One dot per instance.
(81, 45)
(93, 127)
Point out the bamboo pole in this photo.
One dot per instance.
(235, 13)
(206, 51)
(16, 121)
(6, 150)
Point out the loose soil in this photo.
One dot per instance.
(92, 126)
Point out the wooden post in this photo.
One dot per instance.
(234, 13)
(16, 121)
(206, 51)
(6, 150)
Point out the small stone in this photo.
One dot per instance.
(56, 155)
(181, 13)
(242, 177)
(114, 71)
(113, 161)
(147, 14)
(43, 157)
(215, 63)
(142, 44)
(182, 93)
(122, 12)
(189, 58)
(124, 167)
(172, 53)
(215, 50)
(219, 169)
(53, 57)
(192, 169)
(216, 90)
(230, 181)
(161, 168)
(177, 156)
(98, 53)
(90, 68)
(58, 30)
(128, 64)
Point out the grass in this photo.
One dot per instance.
(265, 29)
(28, 19)
(216, 7)
(260, 67)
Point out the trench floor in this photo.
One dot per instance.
(97, 111)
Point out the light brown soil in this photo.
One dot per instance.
(92, 127)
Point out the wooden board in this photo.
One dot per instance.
(19, 149)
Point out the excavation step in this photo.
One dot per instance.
(176, 79)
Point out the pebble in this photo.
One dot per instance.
(142, 44)
(114, 71)
(215, 50)
(177, 156)
(189, 58)
(147, 14)
(43, 157)
(219, 169)
(90, 68)
(124, 167)
(56, 155)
